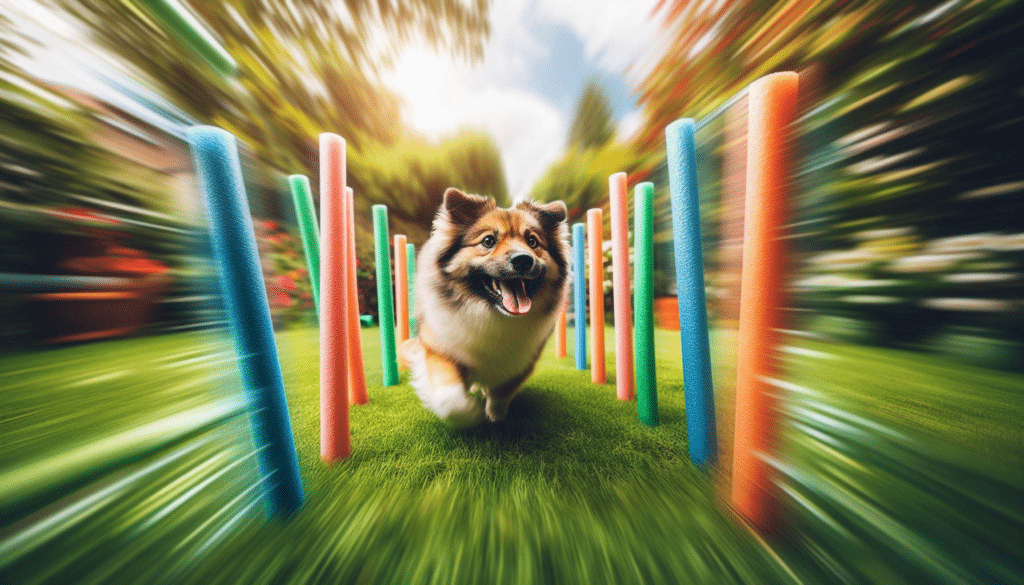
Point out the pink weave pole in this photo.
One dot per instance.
(619, 213)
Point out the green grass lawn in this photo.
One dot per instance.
(897, 468)
(570, 488)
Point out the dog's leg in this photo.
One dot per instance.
(499, 397)
(439, 383)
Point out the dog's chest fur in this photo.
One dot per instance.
(493, 348)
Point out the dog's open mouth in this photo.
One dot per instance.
(514, 295)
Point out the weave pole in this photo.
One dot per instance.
(185, 27)
(385, 305)
(401, 289)
(693, 316)
(219, 172)
(595, 239)
(619, 215)
(560, 325)
(643, 297)
(410, 253)
(356, 368)
(772, 109)
(579, 305)
(308, 230)
(335, 436)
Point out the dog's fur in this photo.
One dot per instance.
(479, 338)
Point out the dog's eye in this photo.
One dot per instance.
(489, 241)
(532, 242)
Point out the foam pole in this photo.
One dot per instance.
(772, 109)
(595, 239)
(385, 305)
(306, 214)
(560, 329)
(356, 368)
(334, 332)
(185, 26)
(410, 253)
(215, 154)
(693, 316)
(643, 296)
(579, 305)
(401, 289)
(619, 212)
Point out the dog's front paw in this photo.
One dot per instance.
(496, 410)
(454, 406)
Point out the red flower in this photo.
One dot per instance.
(282, 300)
(285, 283)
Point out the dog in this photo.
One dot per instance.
(489, 286)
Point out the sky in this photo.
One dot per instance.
(539, 56)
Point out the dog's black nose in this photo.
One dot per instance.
(522, 262)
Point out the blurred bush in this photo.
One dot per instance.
(906, 212)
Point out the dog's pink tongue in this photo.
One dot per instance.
(513, 296)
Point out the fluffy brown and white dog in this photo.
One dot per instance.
(489, 285)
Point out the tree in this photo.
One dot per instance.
(304, 66)
(592, 126)
(910, 122)
(45, 150)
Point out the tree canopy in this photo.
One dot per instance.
(592, 125)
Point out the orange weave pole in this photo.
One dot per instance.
(560, 330)
(772, 109)
(356, 371)
(595, 238)
(334, 424)
(401, 288)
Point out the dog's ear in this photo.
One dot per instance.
(549, 214)
(462, 209)
(555, 211)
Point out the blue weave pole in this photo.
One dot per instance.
(579, 304)
(693, 317)
(215, 154)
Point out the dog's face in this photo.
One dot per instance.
(514, 259)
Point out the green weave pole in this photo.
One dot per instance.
(385, 303)
(308, 229)
(190, 31)
(410, 253)
(643, 298)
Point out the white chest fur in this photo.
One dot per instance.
(496, 348)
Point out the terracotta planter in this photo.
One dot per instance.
(666, 313)
(82, 315)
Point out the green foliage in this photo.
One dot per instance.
(46, 154)
(411, 176)
(592, 126)
(304, 67)
(285, 275)
(908, 121)
(580, 177)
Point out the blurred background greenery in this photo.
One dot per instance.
(902, 444)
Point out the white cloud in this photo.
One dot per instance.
(444, 95)
(629, 124)
(615, 33)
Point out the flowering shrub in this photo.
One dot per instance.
(284, 274)
(105, 256)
